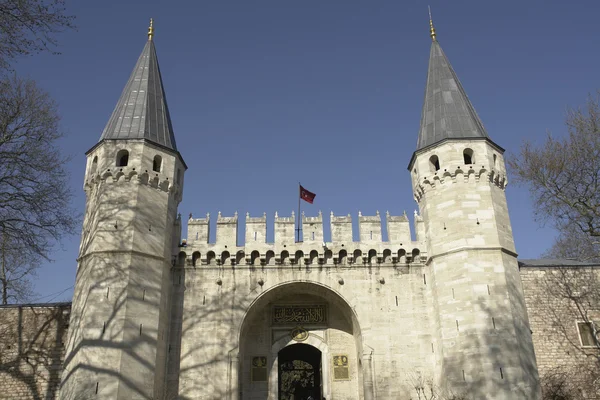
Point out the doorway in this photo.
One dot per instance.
(299, 373)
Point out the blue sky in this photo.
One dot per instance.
(264, 94)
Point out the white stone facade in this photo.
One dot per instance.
(153, 318)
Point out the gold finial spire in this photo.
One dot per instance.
(151, 29)
(431, 28)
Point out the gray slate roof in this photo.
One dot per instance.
(447, 111)
(142, 112)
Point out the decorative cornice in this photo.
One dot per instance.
(125, 174)
(460, 175)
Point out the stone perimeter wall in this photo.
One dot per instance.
(557, 298)
(32, 338)
(32, 349)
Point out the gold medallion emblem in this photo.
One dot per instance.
(299, 334)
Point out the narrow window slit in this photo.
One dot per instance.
(488, 287)
(457, 326)
(453, 293)
(432, 347)
(494, 323)
(204, 300)
(107, 291)
(396, 301)
(97, 383)
(424, 280)
(501, 374)
(144, 295)
(104, 327)
(140, 329)
(464, 378)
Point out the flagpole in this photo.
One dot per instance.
(298, 216)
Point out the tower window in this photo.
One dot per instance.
(122, 158)
(495, 161)
(94, 165)
(434, 163)
(178, 176)
(468, 157)
(157, 163)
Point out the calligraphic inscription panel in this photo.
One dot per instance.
(313, 314)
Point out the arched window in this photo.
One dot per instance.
(285, 257)
(210, 258)
(416, 255)
(468, 156)
(255, 258)
(328, 256)
(434, 163)
(299, 256)
(225, 257)
(270, 257)
(195, 258)
(387, 256)
(157, 163)
(372, 256)
(402, 256)
(495, 161)
(122, 158)
(239, 257)
(314, 257)
(342, 258)
(95, 165)
(357, 257)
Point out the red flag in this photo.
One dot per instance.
(307, 196)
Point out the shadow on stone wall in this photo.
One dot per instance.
(560, 299)
(182, 325)
(223, 312)
(32, 341)
(488, 360)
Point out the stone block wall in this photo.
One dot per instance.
(557, 298)
(32, 349)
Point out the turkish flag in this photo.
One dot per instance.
(307, 196)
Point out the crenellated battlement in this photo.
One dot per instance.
(285, 250)
(467, 174)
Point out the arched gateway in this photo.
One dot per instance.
(301, 340)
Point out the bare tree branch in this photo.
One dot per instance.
(563, 176)
(30, 26)
(35, 195)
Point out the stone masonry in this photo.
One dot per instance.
(562, 295)
(32, 349)
(34, 371)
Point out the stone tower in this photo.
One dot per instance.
(482, 340)
(133, 184)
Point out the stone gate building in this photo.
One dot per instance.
(442, 306)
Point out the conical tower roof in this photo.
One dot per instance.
(142, 111)
(447, 111)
